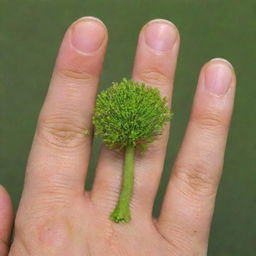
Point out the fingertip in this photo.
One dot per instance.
(87, 34)
(156, 54)
(83, 47)
(160, 34)
(221, 61)
(218, 77)
(164, 21)
(229, 64)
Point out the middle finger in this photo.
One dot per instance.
(154, 65)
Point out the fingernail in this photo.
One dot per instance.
(160, 35)
(218, 77)
(87, 35)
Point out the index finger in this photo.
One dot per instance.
(61, 149)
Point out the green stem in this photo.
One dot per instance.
(122, 210)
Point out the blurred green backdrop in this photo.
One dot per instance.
(30, 33)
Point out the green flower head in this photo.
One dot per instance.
(130, 113)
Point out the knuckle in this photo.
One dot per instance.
(58, 188)
(54, 232)
(209, 120)
(154, 77)
(195, 179)
(61, 132)
(77, 75)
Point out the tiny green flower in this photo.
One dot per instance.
(129, 115)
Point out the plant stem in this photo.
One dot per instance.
(122, 210)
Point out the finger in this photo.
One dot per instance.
(155, 64)
(60, 153)
(189, 201)
(6, 219)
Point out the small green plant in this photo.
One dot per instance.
(129, 115)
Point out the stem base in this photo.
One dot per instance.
(120, 214)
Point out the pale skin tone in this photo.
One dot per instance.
(57, 217)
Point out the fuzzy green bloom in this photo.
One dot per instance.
(127, 115)
(130, 113)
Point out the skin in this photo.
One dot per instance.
(57, 217)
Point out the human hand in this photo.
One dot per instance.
(57, 217)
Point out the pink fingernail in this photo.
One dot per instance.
(218, 77)
(87, 35)
(160, 35)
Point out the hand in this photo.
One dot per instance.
(57, 217)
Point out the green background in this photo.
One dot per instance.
(30, 33)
